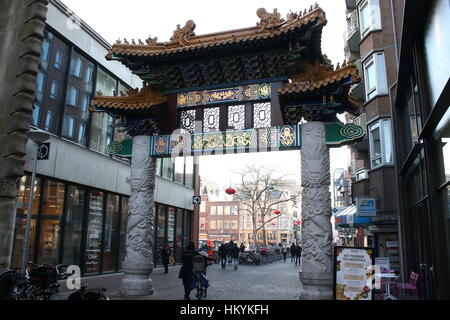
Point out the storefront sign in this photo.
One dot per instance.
(352, 273)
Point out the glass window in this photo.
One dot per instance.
(72, 96)
(73, 225)
(375, 74)
(68, 126)
(226, 210)
(106, 84)
(203, 207)
(212, 224)
(54, 90)
(219, 224)
(178, 243)
(160, 233)
(50, 222)
(220, 210)
(365, 17)
(40, 82)
(167, 170)
(81, 133)
(111, 233)
(380, 140)
(89, 74)
(21, 216)
(36, 113)
(58, 59)
(158, 166)
(437, 48)
(101, 131)
(189, 173)
(369, 16)
(179, 169)
(213, 210)
(94, 233)
(170, 225)
(48, 121)
(46, 50)
(76, 67)
(123, 231)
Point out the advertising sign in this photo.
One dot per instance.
(366, 207)
(353, 273)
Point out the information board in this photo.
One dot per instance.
(352, 273)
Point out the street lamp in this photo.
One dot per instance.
(38, 137)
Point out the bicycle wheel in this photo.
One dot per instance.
(199, 290)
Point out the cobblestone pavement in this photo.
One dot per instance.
(276, 281)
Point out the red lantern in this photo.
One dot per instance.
(277, 212)
(273, 223)
(259, 221)
(230, 191)
(298, 222)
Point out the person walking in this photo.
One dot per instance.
(293, 248)
(235, 254)
(223, 253)
(242, 247)
(186, 268)
(284, 252)
(230, 251)
(298, 254)
(165, 255)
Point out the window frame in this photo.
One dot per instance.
(380, 125)
(374, 15)
(377, 60)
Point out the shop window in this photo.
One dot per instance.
(21, 216)
(73, 225)
(375, 76)
(189, 172)
(158, 166)
(437, 48)
(369, 16)
(160, 233)
(177, 245)
(123, 231)
(111, 233)
(179, 170)
(167, 169)
(380, 140)
(50, 222)
(94, 233)
(170, 225)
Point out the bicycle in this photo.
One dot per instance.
(199, 272)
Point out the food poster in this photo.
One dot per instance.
(352, 272)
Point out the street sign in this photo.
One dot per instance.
(196, 200)
(43, 151)
(366, 207)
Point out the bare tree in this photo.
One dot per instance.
(255, 197)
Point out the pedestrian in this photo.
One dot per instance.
(223, 253)
(165, 255)
(298, 254)
(242, 247)
(235, 254)
(284, 252)
(293, 248)
(230, 251)
(186, 268)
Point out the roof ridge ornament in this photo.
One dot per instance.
(183, 35)
(268, 20)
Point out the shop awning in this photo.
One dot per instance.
(348, 218)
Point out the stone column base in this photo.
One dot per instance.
(137, 282)
(316, 286)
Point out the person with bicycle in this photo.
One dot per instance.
(186, 268)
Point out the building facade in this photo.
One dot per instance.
(371, 41)
(81, 195)
(421, 124)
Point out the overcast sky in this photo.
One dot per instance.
(138, 19)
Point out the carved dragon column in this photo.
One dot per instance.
(316, 276)
(138, 264)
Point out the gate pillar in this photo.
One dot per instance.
(316, 277)
(138, 264)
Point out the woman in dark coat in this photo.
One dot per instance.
(186, 269)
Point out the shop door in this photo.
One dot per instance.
(423, 260)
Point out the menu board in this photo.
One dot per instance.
(352, 269)
(94, 233)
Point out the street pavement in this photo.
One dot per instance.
(278, 280)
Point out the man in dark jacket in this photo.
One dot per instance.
(242, 247)
(223, 253)
(292, 252)
(186, 269)
(298, 254)
(165, 254)
(235, 254)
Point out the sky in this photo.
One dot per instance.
(138, 19)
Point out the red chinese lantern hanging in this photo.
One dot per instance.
(273, 223)
(259, 221)
(298, 221)
(277, 211)
(230, 191)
